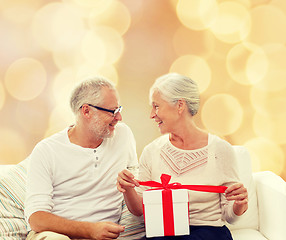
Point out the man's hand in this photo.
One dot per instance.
(105, 230)
(44, 221)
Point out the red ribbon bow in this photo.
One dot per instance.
(165, 179)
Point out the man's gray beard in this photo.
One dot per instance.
(101, 133)
(108, 135)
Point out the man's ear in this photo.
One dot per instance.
(85, 111)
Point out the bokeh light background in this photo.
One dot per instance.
(235, 50)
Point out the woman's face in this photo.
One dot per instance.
(164, 113)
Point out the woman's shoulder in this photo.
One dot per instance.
(158, 143)
(222, 149)
(218, 142)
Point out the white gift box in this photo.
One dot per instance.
(166, 216)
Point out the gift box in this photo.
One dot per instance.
(166, 206)
(166, 212)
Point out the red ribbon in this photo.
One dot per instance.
(165, 179)
(167, 200)
(168, 213)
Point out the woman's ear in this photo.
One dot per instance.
(181, 105)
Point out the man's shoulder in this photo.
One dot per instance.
(55, 138)
(121, 125)
(123, 128)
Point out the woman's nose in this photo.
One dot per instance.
(152, 114)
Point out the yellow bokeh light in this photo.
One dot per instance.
(173, 3)
(15, 3)
(199, 43)
(222, 114)
(268, 25)
(234, 48)
(197, 15)
(245, 3)
(93, 49)
(99, 4)
(19, 11)
(68, 57)
(247, 63)
(281, 4)
(268, 103)
(113, 42)
(63, 84)
(233, 22)
(272, 127)
(116, 16)
(103, 46)
(88, 70)
(2, 96)
(194, 67)
(34, 116)
(267, 153)
(25, 79)
(275, 78)
(60, 118)
(12, 146)
(255, 3)
(57, 26)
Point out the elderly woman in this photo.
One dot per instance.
(191, 156)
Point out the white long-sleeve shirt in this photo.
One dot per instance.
(214, 164)
(79, 183)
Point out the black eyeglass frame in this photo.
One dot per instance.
(114, 112)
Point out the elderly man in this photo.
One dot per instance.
(71, 183)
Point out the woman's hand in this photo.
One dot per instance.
(126, 184)
(238, 193)
(125, 181)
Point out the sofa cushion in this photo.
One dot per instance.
(134, 226)
(247, 234)
(12, 195)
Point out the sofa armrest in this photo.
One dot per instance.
(271, 196)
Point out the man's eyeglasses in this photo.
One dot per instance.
(114, 112)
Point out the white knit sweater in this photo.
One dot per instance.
(214, 164)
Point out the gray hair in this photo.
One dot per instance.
(89, 91)
(174, 87)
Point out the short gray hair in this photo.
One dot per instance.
(89, 91)
(174, 87)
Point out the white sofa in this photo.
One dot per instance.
(265, 218)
